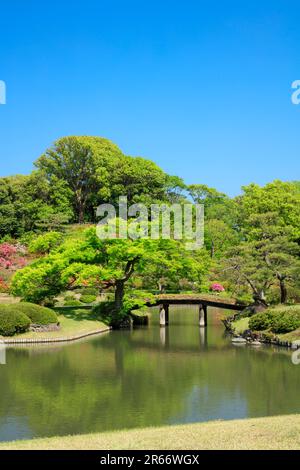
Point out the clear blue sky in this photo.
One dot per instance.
(202, 88)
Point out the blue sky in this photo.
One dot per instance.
(202, 88)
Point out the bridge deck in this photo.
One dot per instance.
(198, 299)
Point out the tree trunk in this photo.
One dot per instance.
(80, 204)
(119, 295)
(80, 213)
(160, 287)
(117, 319)
(259, 300)
(283, 291)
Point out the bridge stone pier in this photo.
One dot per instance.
(202, 315)
(164, 314)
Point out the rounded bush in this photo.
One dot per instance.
(69, 297)
(37, 314)
(279, 320)
(260, 321)
(90, 291)
(72, 303)
(286, 321)
(12, 321)
(88, 299)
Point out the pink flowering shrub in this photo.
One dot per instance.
(7, 250)
(11, 258)
(216, 287)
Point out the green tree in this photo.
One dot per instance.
(264, 261)
(219, 237)
(173, 267)
(105, 263)
(216, 205)
(96, 171)
(25, 201)
(279, 198)
(84, 164)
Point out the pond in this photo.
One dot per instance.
(149, 376)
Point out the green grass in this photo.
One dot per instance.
(291, 336)
(73, 322)
(241, 325)
(279, 432)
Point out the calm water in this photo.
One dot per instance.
(148, 376)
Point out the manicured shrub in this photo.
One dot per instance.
(285, 321)
(12, 321)
(37, 314)
(90, 291)
(69, 297)
(277, 320)
(88, 299)
(260, 321)
(72, 303)
(45, 243)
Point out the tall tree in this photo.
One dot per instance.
(267, 257)
(280, 198)
(96, 171)
(84, 164)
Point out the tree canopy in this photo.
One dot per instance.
(251, 241)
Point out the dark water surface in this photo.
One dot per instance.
(148, 376)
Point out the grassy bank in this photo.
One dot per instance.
(73, 322)
(285, 312)
(279, 432)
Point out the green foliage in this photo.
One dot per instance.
(268, 257)
(95, 171)
(251, 241)
(136, 300)
(38, 315)
(278, 198)
(12, 320)
(45, 243)
(68, 297)
(72, 303)
(88, 298)
(105, 311)
(286, 320)
(74, 176)
(40, 280)
(89, 291)
(260, 321)
(218, 206)
(140, 317)
(279, 320)
(29, 201)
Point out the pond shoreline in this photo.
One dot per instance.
(251, 337)
(62, 339)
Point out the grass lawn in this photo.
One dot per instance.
(73, 322)
(292, 336)
(241, 325)
(279, 432)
